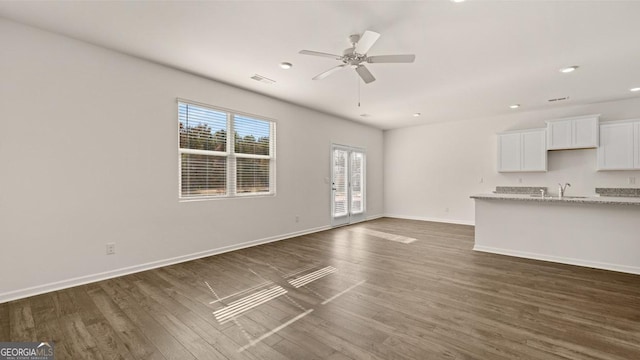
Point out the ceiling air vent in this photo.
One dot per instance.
(263, 79)
(558, 99)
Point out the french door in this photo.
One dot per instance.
(347, 185)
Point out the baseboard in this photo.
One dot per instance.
(374, 217)
(421, 218)
(82, 280)
(561, 260)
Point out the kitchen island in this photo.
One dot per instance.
(598, 232)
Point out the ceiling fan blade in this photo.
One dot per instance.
(365, 74)
(329, 72)
(366, 42)
(316, 53)
(391, 59)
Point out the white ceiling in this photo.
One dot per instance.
(473, 59)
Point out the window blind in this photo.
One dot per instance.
(214, 164)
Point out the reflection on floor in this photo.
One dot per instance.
(232, 307)
(383, 235)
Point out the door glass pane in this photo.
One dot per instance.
(340, 182)
(357, 188)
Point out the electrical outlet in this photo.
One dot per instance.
(446, 210)
(520, 180)
(297, 218)
(111, 248)
(481, 180)
(632, 180)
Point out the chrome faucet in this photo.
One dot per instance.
(562, 189)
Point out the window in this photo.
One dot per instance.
(214, 164)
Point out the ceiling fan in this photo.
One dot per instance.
(355, 57)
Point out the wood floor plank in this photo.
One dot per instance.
(78, 340)
(128, 331)
(4, 322)
(164, 310)
(219, 340)
(107, 341)
(434, 298)
(21, 320)
(118, 290)
(47, 324)
(53, 331)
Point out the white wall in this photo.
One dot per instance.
(434, 168)
(88, 154)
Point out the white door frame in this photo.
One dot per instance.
(347, 213)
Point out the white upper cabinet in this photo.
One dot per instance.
(585, 132)
(559, 134)
(619, 145)
(573, 133)
(520, 151)
(534, 151)
(509, 152)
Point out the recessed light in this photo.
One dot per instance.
(416, 114)
(514, 106)
(569, 69)
(635, 89)
(286, 65)
(457, 1)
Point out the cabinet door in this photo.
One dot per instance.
(616, 146)
(585, 132)
(637, 144)
(534, 151)
(509, 155)
(559, 134)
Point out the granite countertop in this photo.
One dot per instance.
(605, 200)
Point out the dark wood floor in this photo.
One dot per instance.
(359, 296)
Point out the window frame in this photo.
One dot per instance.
(230, 155)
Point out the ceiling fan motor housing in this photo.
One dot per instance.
(352, 58)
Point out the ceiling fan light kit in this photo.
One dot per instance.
(355, 57)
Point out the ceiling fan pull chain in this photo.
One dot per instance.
(358, 80)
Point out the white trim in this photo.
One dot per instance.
(251, 156)
(350, 217)
(63, 284)
(614, 122)
(521, 131)
(223, 109)
(433, 219)
(202, 152)
(573, 118)
(558, 259)
(230, 154)
(372, 217)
